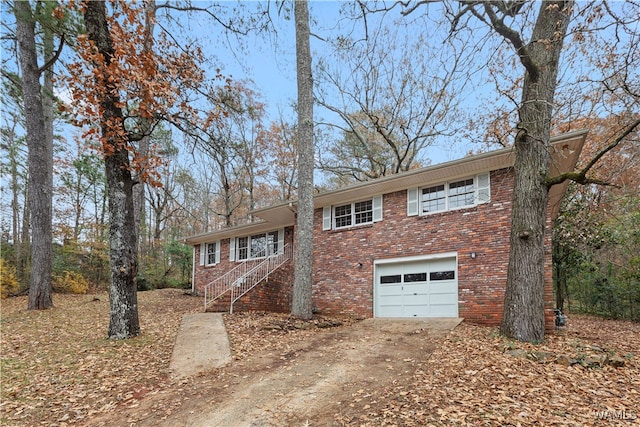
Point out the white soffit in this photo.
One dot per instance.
(565, 152)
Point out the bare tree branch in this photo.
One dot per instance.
(514, 38)
(55, 57)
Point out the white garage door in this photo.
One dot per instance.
(426, 288)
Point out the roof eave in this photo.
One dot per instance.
(565, 147)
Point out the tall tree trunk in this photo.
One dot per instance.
(523, 317)
(144, 145)
(25, 244)
(12, 148)
(123, 321)
(302, 304)
(40, 159)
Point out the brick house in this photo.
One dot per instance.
(432, 242)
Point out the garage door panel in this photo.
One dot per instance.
(443, 287)
(442, 264)
(392, 300)
(415, 289)
(427, 288)
(443, 299)
(422, 311)
(391, 292)
(444, 311)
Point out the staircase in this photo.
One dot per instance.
(245, 277)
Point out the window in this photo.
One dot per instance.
(354, 214)
(452, 195)
(433, 199)
(272, 242)
(396, 278)
(363, 212)
(415, 277)
(442, 275)
(211, 253)
(257, 246)
(461, 193)
(343, 216)
(243, 248)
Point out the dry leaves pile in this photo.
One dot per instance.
(58, 369)
(471, 379)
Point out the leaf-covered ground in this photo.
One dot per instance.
(473, 379)
(59, 369)
(58, 366)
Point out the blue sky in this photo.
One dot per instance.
(269, 61)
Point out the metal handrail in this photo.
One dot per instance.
(259, 273)
(244, 277)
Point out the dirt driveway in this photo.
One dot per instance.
(312, 383)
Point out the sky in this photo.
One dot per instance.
(269, 61)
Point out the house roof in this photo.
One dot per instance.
(566, 149)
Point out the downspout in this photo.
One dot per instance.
(193, 271)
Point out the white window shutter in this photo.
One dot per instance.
(412, 202)
(326, 218)
(232, 249)
(484, 192)
(281, 241)
(218, 252)
(203, 252)
(377, 208)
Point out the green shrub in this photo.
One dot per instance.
(142, 284)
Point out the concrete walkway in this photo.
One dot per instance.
(201, 344)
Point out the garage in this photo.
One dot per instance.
(416, 287)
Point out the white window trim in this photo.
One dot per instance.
(481, 188)
(204, 255)
(234, 252)
(329, 217)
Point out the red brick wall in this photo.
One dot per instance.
(273, 295)
(341, 286)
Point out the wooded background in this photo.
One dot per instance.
(392, 86)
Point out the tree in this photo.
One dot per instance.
(395, 92)
(219, 141)
(282, 152)
(302, 305)
(595, 242)
(523, 316)
(38, 109)
(15, 166)
(121, 84)
(123, 320)
(145, 123)
(79, 179)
